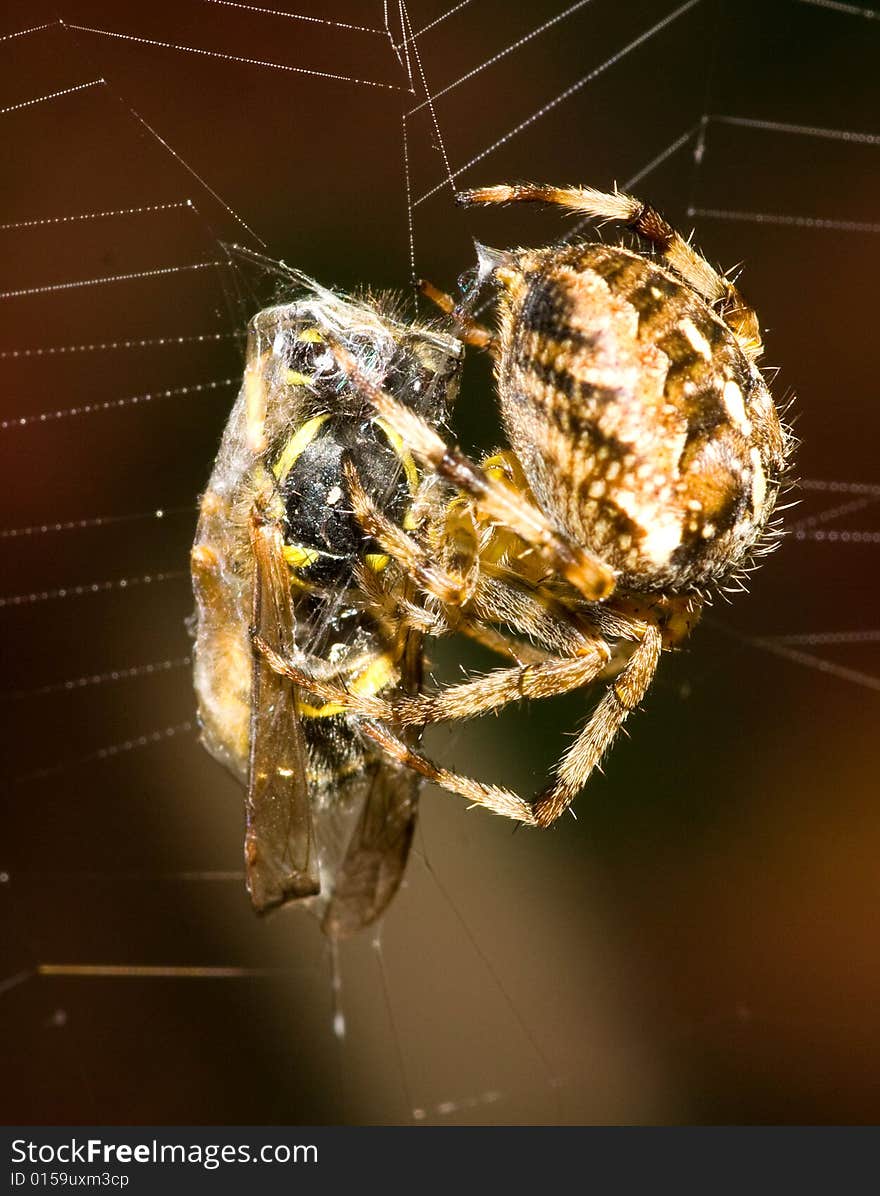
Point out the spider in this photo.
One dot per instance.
(645, 459)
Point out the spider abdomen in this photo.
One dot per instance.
(640, 422)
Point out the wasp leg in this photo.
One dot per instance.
(469, 331)
(496, 500)
(648, 223)
(573, 771)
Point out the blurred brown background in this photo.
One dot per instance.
(701, 944)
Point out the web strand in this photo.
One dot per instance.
(74, 684)
(450, 12)
(204, 53)
(817, 663)
(818, 223)
(52, 95)
(144, 342)
(109, 752)
(93, 521)
(297, 16)
(89, 589)
(6, 37)
(851, 136)
(495, 58)
(539, 113)
(141, 400)
(850, 10)
(107, 279)
(138, 211)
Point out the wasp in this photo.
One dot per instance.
(283, 572)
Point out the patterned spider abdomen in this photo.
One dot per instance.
(642, 426)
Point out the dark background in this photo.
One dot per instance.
(701, 944)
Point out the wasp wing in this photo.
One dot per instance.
(281, 862)
(375, 860)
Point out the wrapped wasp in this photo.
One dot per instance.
(283, 571)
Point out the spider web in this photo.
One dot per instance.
(696, 946)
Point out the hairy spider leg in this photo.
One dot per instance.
(648, 223)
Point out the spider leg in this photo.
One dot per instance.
(503, 645)
(469, 331)
(483, 694)
(623, 696)
(500, 596)
(469, 699)
(395, 612)
(490, 693)
(496, 500)
(489, 797)
(496, 594)
(648, 223)
(387, 606)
